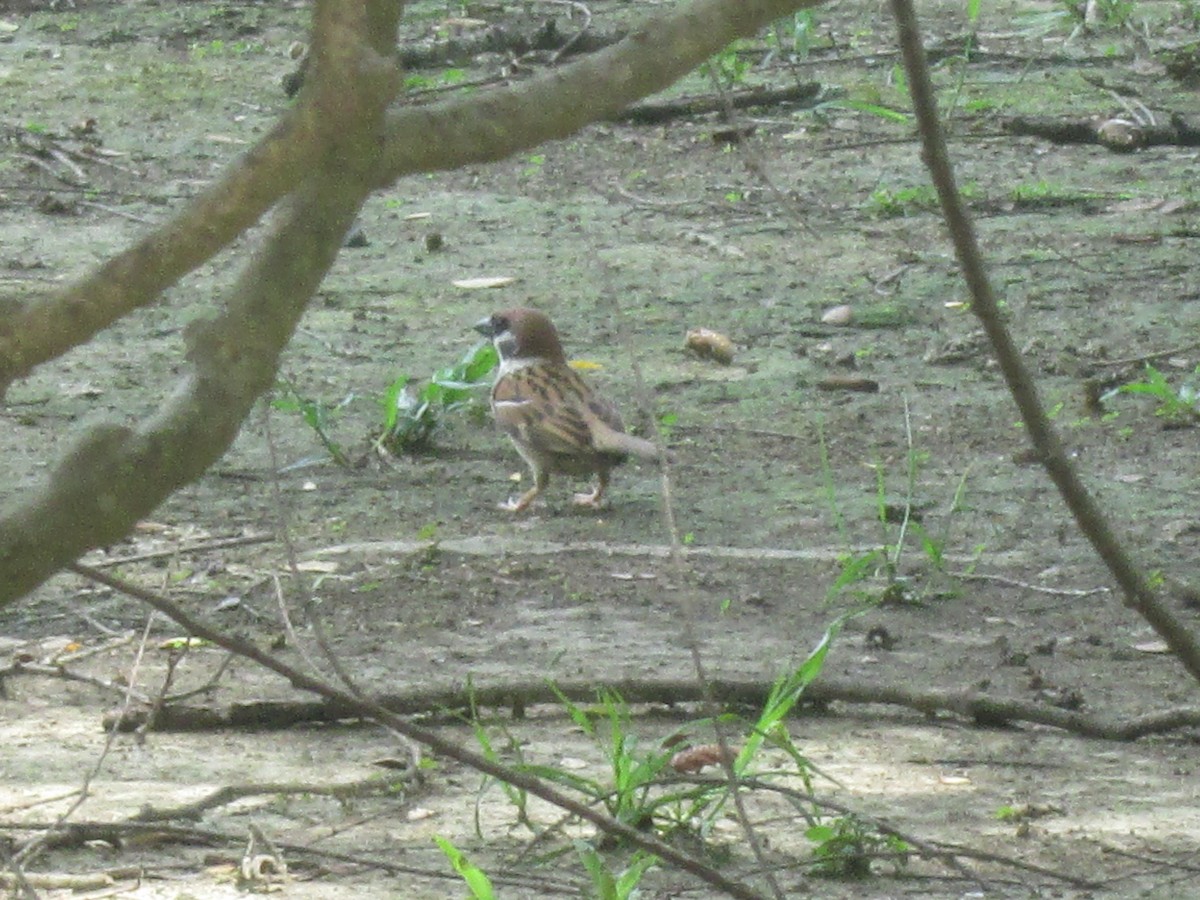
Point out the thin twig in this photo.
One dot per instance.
(187, 549)
(75, 656)
(11, 866)
(231, 793)
(575, 38)
(62, 672)
(289, 629)
(65, 160)
(1149, 357)
(113, 211)
(1026, 586)
(936, 849)
(30, 851)
(754, 161)
(41, 801)
(205, 688)
(106, 831)
(648, 201)
(283, 511)
(689, 616)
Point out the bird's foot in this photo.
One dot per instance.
(521, 503)
(594, 500)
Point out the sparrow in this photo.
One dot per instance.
(555, 420)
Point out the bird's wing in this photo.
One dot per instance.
(555, 412)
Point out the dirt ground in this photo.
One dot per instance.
(629, 235)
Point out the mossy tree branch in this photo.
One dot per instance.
(479, 128)
(114, 474)
(327, 158)
(36, 331)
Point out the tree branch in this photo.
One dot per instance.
(490, 126)
(32, 333)
(1088, 515)
(968, 705)
(115, 475)
(479, 128)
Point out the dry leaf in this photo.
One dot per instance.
(77, 389)
(696, 758)
(709, 344)
(391, 762)
(483, 282)
(1152, 647)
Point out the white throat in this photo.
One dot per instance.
(508, 366)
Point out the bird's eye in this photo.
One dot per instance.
(500, 324)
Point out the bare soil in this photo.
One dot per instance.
(629, 236)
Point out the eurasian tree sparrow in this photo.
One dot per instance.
(554, 419)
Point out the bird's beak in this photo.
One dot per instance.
(485, 327)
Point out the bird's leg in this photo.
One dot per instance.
(540, 480)
(594, 499)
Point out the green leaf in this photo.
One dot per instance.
(854, 569)
(819, 834)
(875, 109)
(786, 691)
(602, 878)
(632, 876)
(391, 402)
(476, 879)
(286, 403)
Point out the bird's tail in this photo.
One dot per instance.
(620, 442)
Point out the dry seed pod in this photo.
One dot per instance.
(709, 344)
